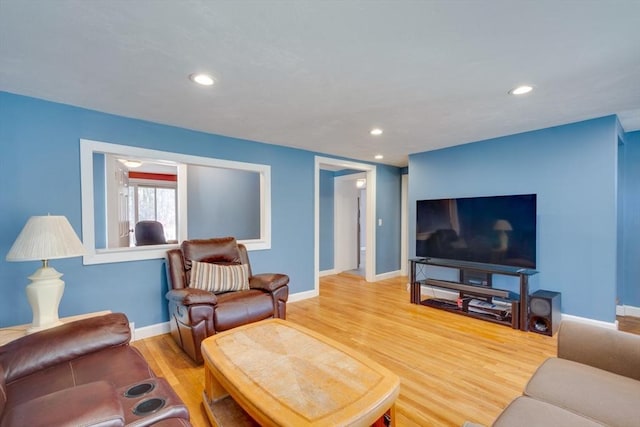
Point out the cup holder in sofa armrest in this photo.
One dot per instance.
(139, 389)
(149, 401)
(148, 406)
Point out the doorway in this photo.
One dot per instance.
(350, 231)
(368, 235)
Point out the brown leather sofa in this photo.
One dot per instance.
(196, 314)
(83, 373)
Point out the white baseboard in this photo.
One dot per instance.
(151, 331)
(627, 310)
(630, 310)
(327, 272)
(299, 296)
(389, 275)
(601, 323)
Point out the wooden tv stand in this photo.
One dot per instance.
(484, 291)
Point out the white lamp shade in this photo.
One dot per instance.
(502, 225)
(44, 238)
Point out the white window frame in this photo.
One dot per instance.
(107, 255)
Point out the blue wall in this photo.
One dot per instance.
(40, 165)
(630, 292)
(388, 195)
(573, 170)
(327, 217)
(223, 202)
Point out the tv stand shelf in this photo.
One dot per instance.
(519, 303)
(513, 321)
(480, 291)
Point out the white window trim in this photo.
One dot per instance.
(100, 256)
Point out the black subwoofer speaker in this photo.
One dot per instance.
(544, 312)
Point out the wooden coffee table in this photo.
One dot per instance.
(282, 374)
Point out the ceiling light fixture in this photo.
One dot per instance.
(378, 157)
(201, 79)
(131, 163)
(376, 131)
(521, 90)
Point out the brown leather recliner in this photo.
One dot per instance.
(83, 373)
(196, 314)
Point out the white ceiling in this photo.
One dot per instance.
(319, 75)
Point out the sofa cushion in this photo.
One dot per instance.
(93, 404)
(535, 413)
(600, 395)
(219, 278)
(239, 308)
(120, 365)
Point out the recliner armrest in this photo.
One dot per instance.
(191, 296)
(608, 349)
(92, 404)
(268, 281)
(62, 343)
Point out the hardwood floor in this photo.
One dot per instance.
(452, 368)
(629, 324)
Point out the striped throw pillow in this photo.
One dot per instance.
(219, 278)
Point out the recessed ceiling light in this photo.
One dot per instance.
(201, 79)
(378, 157)
(521, 90)
(376, 131)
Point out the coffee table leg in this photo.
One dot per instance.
(392, 414)
(388, 419)
(213, 391)
(221, 409)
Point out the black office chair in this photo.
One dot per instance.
(150, 233)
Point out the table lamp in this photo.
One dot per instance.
(45, 238)
(502, 226)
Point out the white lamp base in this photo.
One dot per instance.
(44, 294)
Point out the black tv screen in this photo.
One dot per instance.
(494, 230)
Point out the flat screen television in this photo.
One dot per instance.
(492, 230)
